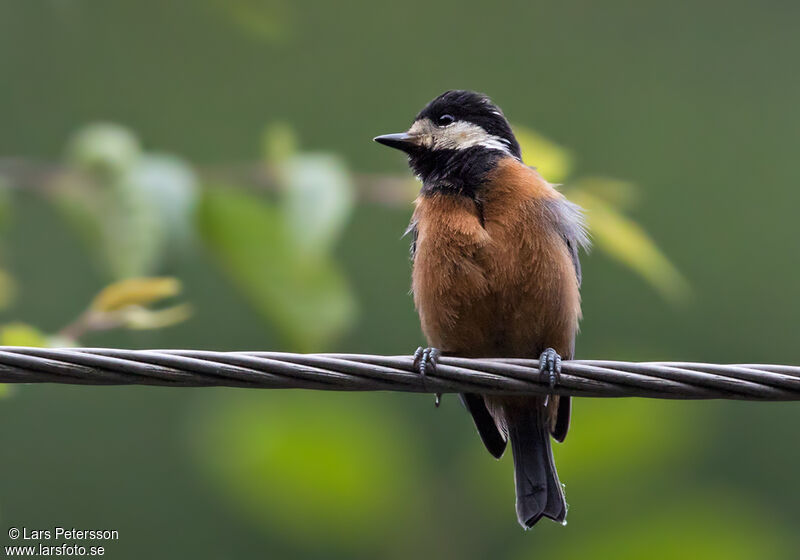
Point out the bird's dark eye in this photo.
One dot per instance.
(444, 120)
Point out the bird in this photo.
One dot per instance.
(495, 274)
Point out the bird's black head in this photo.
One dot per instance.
(455, 141)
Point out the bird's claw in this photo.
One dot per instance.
(425, 361)
(550, 367)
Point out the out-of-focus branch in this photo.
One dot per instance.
(31, 174)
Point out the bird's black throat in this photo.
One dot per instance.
(454, 171)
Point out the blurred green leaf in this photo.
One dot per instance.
(104, 148)
(619, 194)
(318, 197)
(135, 291)
(119, 222)
(133, 205)
(308, 299)
(317, 190)
(624, 240)
(553, 162)
(296, 460)
(123, 305)
(171, 187)
(20, 334)
(279, 143)
(611, 231)
(140, 318)
(134, 236)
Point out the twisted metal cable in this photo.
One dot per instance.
(361, 372)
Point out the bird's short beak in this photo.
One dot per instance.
(401, 141)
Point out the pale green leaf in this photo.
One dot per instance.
(618, 194)
(624, 240)
(119, 221)
(308, 299)
(170, 186)
(318, 197)
(135, 291)
(553, 162)
(134, 235)
(134, 204)
(140, 318)
(106, 148)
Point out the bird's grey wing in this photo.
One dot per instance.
(569, 221)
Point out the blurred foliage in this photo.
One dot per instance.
(604, 199)
(316, 192)
(123, 304)
(20, 334)
(129, 205)
(134, 292)
(293, 461)
(306, 297)
(278, 251)
(553, 162)
(134, 208)
(624, 240)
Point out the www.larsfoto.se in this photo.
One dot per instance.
(53, 550)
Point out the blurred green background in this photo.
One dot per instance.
(226, 145)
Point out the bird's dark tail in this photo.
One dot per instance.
(539, 492)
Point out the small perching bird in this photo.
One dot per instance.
(496, 274)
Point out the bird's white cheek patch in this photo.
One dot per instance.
(458, 136)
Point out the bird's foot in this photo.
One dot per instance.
(550, 367)
(425, 361)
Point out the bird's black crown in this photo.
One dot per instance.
(473, 107)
